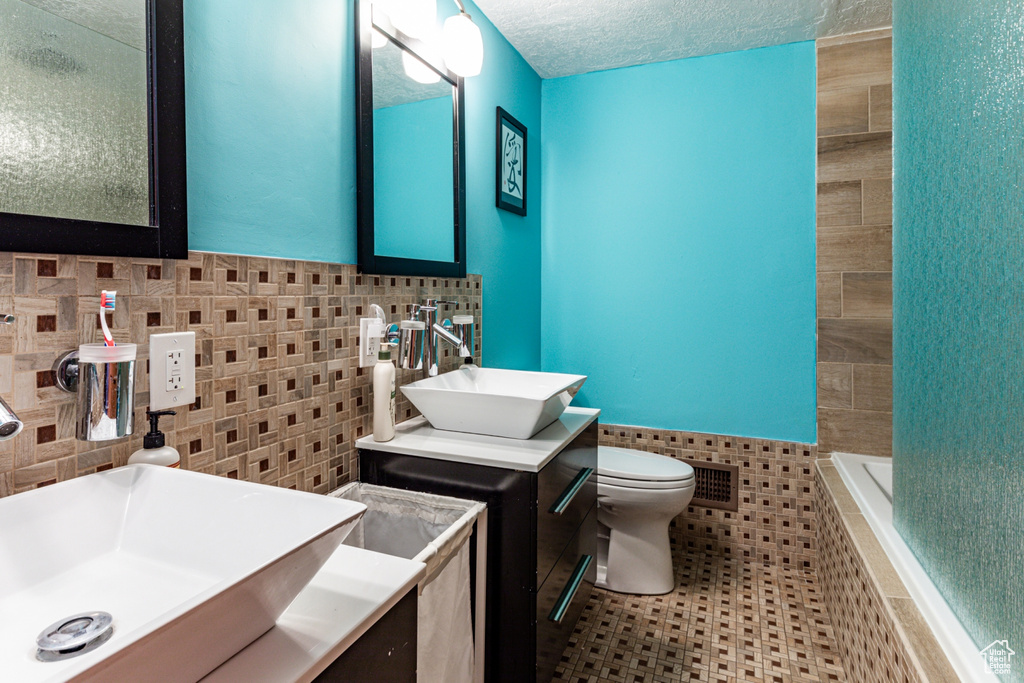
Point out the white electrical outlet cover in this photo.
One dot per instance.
(172, 370)
(370, 331)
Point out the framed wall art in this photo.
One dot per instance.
(510, 193)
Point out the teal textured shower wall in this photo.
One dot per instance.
(958, 248)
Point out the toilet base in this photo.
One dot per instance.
(618, 569)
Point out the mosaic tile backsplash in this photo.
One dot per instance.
(280, 396)
(775, 522)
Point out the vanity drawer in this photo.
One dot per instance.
(562, 597)
(566, 490)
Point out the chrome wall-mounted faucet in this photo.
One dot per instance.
(10, 424)
(419, 335)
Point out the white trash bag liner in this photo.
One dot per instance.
(432, 530)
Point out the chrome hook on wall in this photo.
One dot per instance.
(6, 319)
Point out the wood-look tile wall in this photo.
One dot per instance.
(281, 398)
(855, 244)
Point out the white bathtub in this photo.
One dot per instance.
(869, 479)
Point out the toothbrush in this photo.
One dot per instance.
(108, 302)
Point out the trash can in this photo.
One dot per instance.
(434, 530)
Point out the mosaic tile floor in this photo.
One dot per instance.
(727, 621)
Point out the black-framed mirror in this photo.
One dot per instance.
(92, 156)
(410, 131)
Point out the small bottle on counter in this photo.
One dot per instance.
(384, 395)
(153, 451)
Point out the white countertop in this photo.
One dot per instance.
(417, 437)
(352, 591)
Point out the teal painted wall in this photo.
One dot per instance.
(503, 246)
(678, 244)
(270, 115)
(417, 197)
(270, 126)
(958, 309)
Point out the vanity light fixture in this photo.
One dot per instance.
(463, 45)
(417, 70)
(414, 18)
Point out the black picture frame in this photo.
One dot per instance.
(504, 200)
(167, 235)
(368, 261)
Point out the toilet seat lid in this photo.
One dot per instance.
(624, 463)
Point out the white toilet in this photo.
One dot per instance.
(638, 494)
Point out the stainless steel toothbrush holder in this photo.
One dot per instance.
(106, 391)
(412, 334)
(462, 327)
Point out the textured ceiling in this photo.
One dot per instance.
(566, 37)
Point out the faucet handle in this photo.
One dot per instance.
(446, 303)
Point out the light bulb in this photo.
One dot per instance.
(377, 39)
(463, 45)
(414, 18)
(417, 70)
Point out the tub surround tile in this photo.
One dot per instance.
(923, 647)
(840, 496)
(830, 295)
(835, 385)
(854, 243)
(280, 399)
(867, 295)
(855, 248)
(843, 111)
(872, 387)
(880, 632)
(878, 564)
(877, 201)
(855, 341)
(881, 107)
(858, 60)
(863, 155)
(856, 431)
(840, 203)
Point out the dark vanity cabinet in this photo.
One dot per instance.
(384, 654)
(541, 546)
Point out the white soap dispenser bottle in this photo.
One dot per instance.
(384, 395)
(153, 451)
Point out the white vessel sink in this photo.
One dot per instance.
(509, 403)
(191, 567)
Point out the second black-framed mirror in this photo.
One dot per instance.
(410, 154)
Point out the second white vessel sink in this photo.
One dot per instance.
(510, 403)
(190, 567)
